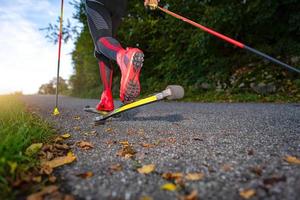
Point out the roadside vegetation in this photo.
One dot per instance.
(208, 68)
(18, 130)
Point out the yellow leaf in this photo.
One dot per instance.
(37, 179)
(292, 160)
(76, 117)
(194, 176)
(169, 187)
(66, 136)
(247, 193)
(146, 198)
(146, 169)
(59, 161)
(33, 149)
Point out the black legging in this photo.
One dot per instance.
(104, 18)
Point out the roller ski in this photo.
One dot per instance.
(172, 92)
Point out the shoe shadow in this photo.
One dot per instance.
(131, 116)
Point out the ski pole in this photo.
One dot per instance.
(56, 111)
(229, 40)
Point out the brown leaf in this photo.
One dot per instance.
(172, 176)
(62, 146)
(251, 152)
(77, 128)
(227, 167)
(116, 167)
(247, 193)
(292, 160)
(108, 130)
(46, 190)
(147, 145)
(52, 179)
(69, 197)
(85, 175)
(194, 176)
(256, 170)
(192, 196)
(46, 169)
(76, 117)
(273, 180)
(124, 143)
(85, 145)
(127, 151)
(59, 161)
(146, 169)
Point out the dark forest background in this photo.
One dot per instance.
(208, 68)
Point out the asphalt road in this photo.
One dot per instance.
(236, 146)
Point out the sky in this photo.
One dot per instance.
(27, 58)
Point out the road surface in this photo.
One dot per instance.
(236, 146)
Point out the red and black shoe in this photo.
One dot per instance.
(106, 103)
(130, 62)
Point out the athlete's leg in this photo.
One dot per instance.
(130, 60)
(100, 24)
(106, 73)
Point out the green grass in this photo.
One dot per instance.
(18, 130)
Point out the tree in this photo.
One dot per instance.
(50, 88)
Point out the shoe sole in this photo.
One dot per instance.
(133, 87)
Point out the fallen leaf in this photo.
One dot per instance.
(192, 196)
(46, 169)
(33, 149)
(69, 197)
(46, 190)
(247, 193)
(116, 167)
(66, 135)
(146, 169)
(194, 176)
(62, 146)
(172, 176)
(85, 145)
(147, 145)
(124, 143)
(85, 175)
(251, 152)
(169, 187)
(273, 180)
(108, 130)
(227, 167)
(77, 128)
(256, 170)
(127, 151)
(52, 179)
(59, 161)
(37, 179)
(292, 160)
(146, 198)
(76, 117)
